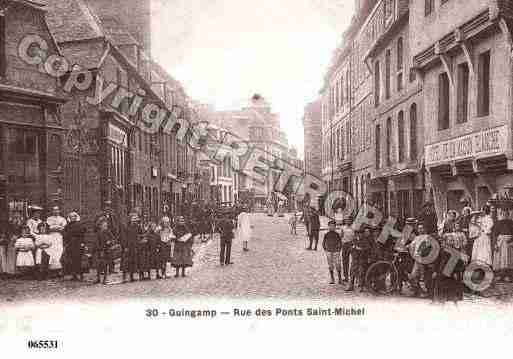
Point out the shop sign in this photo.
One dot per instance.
(475, 145)
(117, 135)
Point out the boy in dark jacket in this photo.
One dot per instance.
(332, 245)
(360, 253)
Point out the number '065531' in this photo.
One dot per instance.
(43, 344)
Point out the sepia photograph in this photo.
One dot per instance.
(243, 178)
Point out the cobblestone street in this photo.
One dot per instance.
(277, 266)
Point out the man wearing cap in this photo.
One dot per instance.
(332, 245)
(226, 228)
(315, 227)
(131, 236)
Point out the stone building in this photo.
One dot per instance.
(346, 111)
(108, 157)
(397, 182)
(258, 125)
(430, 103)
(462, 51)
(31, 128)
(312, 137)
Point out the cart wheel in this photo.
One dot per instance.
(381, 278)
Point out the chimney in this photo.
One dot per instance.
(134, 15)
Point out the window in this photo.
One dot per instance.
(362, 189)
(463, 76)
(389, 141)
(387, 74)
(377, 81)
(348, 88)
(413, 132)
(400, 54)
(378, 147)
(483, 89)
(443, 101)
(3, 55)
(429, 7)
(54, 153)
(388, 8)
(400, 64)
(337, 142)
(400, 135)
(342, 149)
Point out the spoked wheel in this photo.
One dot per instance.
(382, 278)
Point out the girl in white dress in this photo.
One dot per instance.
(482, 250)
(24, 249)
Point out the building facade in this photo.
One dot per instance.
(31, 128)
(312, 137)
(429, 104)
(462, 53)
(260, 127)
(397, 182)
(108, 158)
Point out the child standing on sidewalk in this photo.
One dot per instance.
(293, 224)
(332, 245)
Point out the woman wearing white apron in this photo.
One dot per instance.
(482, 251)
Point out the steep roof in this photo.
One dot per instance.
(72, 20)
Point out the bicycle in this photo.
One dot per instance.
(385, 277)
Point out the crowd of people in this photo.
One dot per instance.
(484, 236)
(68, 247)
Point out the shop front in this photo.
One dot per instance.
(30, 157)
(469, 169)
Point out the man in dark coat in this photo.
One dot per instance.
(315, 227)
(74, 244)
(130, 241)
(429, 219)
(226, 228)
(360, 257)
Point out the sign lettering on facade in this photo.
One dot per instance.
(484, 143)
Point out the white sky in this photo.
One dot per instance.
(224, 51)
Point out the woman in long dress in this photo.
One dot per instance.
(503, 234)
(244, 229)
(74, 242)
(482, 251)
(165, 245)
(8, 250)
(51, 244)
(182, 253)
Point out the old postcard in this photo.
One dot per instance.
(240, 178)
